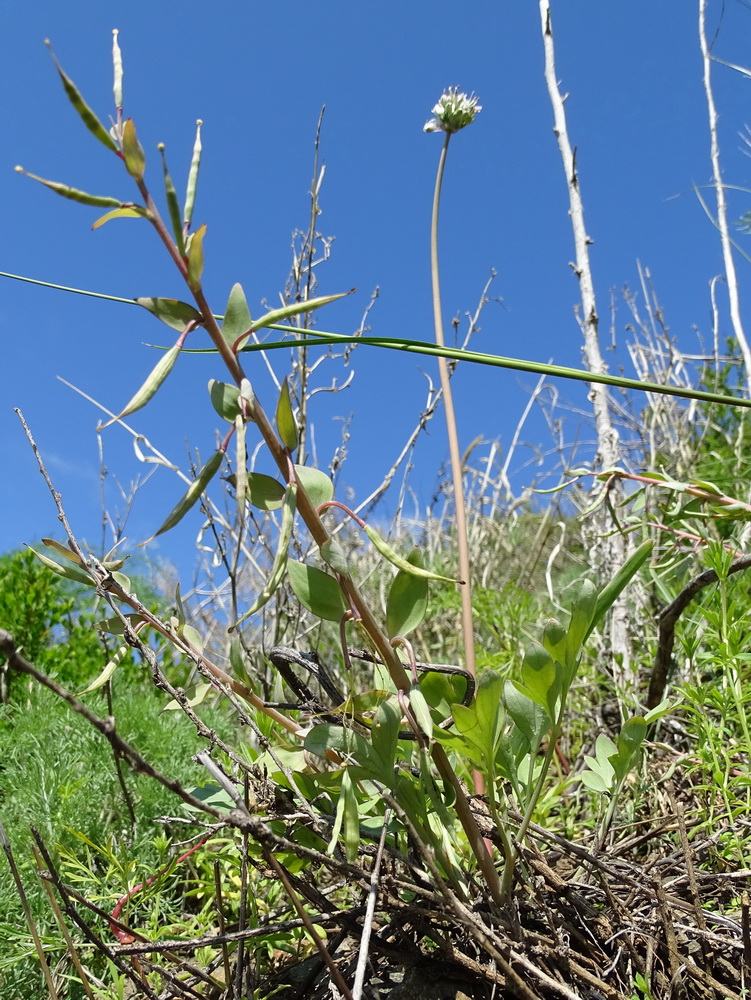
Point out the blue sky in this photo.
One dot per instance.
(258, 74)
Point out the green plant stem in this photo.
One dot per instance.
(321, 338)
(451, 429)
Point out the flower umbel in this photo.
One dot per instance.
(453, 111)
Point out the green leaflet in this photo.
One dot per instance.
(65, 191)
(280, 560)
(195, 258)
(135, 158)
(316, 591)
(399, 561)
(225, 398)
(278, 315)
(173, 312)
(131, 212)
(194, 491)
(236, 320)
(150, 387)
(407, 601)
(316, 484)
(610, 594)
(285, 419)
(108, 671)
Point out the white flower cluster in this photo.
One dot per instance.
(453, 111)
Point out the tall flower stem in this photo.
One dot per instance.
(457, 476)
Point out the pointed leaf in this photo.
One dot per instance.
(68, 571)
(115, 626)
(195, 258)
(351, 818)
(87, 116)
(286, 424)
(407, 601)
(193, 493)
(131, 212)
(385, 732)
(236, 316)
(399, 561)
(278, 315)
(610, 594)
(196, 698)
(280, 560)
(539, 676)
(316, 484)
(530, 718)
(62, 550)
(264, 492)
(108, 671)
(195, 163)
(98, 201)
(241, 460)
(316, 591)
(135, 158)
(225, 399)
(421, 711)
(582, 615)
(333, 555)
(172, 312)
(150, 387)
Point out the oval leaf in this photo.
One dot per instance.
(236, 316)
(285, 419)
(225, 398)
(172, 312)
(195, 259)
(316, 591)
(264, 492)
(316, 484)
(135, 158)
(407, 602)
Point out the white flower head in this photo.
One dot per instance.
(453, 111)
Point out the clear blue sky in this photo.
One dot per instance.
(258, 74)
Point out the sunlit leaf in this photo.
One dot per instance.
(407, 600)
(610, 594)
(172, 312)
(286, 424)
(115, 626)
(135, 158)
(195, 258)
(225, 398)
(264, 492)
(236, 316)
(67, 570)
(108, 671)
(420, 710)
(316, 484)
(316, 591)
(131, 212)
(333, 555)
